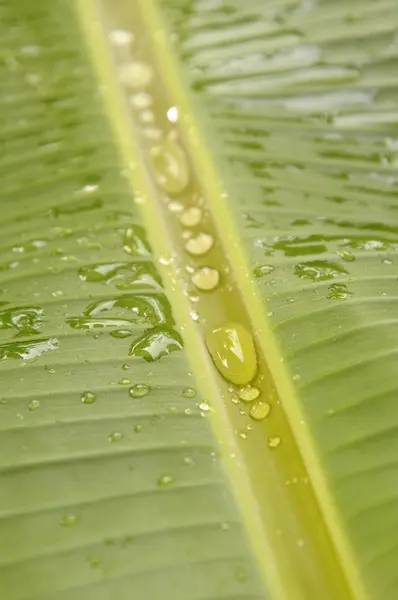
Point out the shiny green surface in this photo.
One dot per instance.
(302, 97)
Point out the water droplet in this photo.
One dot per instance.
(116, 436)
(188, 460)
(204, 406)
(232, 350)
(345, 255)
(137, 428)
(274, 441)
(87, 398)
(93, 561)
(165, 480)
(240, 574)
(69, 520)
(26, 321)
(206, 279)
(135, 75)
(120, 37)
(260, 411)
(121, 333)
(248, 393)
(199, 245)
(125, 367)
(386, 261)
(338, 291)
(319, 270)
(171, 167)
(243, 435)
(139, 390)
(191, 217)
(156, 342)
(141, 100)
(189, 393)
(34, 404)
(124, 381)
(49, 370)
(172, 114)
(225, 526)
(262, 270)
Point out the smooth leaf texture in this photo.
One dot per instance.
(122, 475)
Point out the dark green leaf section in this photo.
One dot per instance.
(303, 97)
(110, 486)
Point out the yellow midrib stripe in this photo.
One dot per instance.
(228, 234)
(194, 345)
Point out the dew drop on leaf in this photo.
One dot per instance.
(248, 393)
(87, 398)
(165, 480)
(191, 217)
(139, 390)
(34, 405)
(199, 245)
(189, 393)
(232, 349)
(260, 411)
(274, 441)
(115, 436)
(206, 279)
(68, 520)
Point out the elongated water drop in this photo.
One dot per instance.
(206, 279)
(232, 350)
(171, 167)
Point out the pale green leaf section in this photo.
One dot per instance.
(111, 486)
(302, 109)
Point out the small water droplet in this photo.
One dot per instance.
(260, 411)
(69, 520)
(240, 574)
(124, 381)
(274, 441)
(140, 100)
(138, 429)
(87, 398)
(225, 526)
(262, 270)
(172, 114)
(188, 460)
(191, 217)
(386, 261)
(248, 393)
(204, 406)
(34, 404)
(243, 435)
(116, 436)
(165, 480)
(189, 393)
(199, 245)
(93, 561)
(206, 279)
(121, 333)
(50, 370)
(345, 255)
(139, 390)
(125, 367)
(232, 350)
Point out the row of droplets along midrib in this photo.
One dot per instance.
(230, 344)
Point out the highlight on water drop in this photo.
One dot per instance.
(139, 390)
(191, 217)
(87, 397)
(260, 411)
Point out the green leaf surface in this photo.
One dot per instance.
(129, 466)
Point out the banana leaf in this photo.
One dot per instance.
(198, 300)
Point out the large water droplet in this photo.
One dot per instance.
(171, 167)
(199, 245)
(28, 351)
(206, 279)
(27, 321)
(232, 349)
(139, 390)
(156, 342)
(319, 270)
